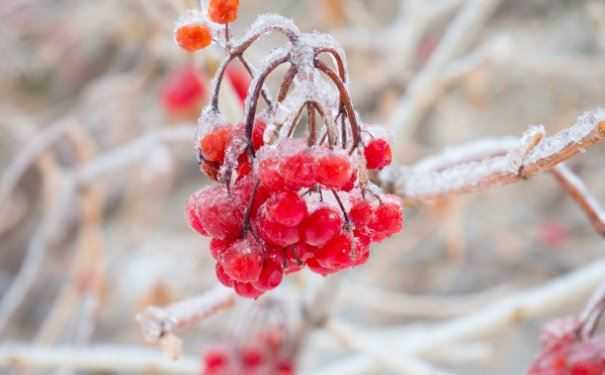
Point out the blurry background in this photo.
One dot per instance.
(96, 75)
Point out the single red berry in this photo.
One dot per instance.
(214, 144)
(215, 361)
(220, 214)
(334, 170)
(183, 90)
(210, 169)
(286, 208)
(321, 226)
(258, 134)
(191, 211)
(378, 154)
(336, 254)
(247, 290)
(223, 11)
(275, 233)
(284, 367)
(270, 277)
(243, 259)
(351, 184)
(239, 79)
(361, 212)
(193, 37)
(298, 170)
(218, 247)
(251, 357)
(222, 276)
(269, 173)
(387, 219)
(361, 250)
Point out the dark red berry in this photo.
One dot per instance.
(314, 266)
(218, 247)
(246, 290)
(222, 277)
(378, 154)
(321, 226)
(270, 277)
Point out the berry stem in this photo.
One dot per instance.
(342, 72)
(345, 97)
(342, 207)
(312, 125)
(287, 83)
(264, 93)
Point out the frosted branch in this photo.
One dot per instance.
(531, 156)
(158, 322)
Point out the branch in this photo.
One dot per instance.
(531, 156)
(157, 323)
(580, 194)
(96, 359)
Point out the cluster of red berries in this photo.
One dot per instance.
(267, 354)
(289, 206)
(566, 353)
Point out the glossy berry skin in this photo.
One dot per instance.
(193, 37)
(218, 247)
(275, 233)
(239, 79)
(298, 170)
(336, 254)
(222, 276)
(258, 134)
(321, 226)
(183, 90)
(378, 154)
(361, 212)
(246, 290)
(223, 11)
(333, 170)
(220, 214)
(243, 260)
(214, 143)
(286, 208)
(316, 267)
(387, 219)
(269, 174)
(270, 277)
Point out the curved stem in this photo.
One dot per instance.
(345, 98)
(264, 93)
(219, 79)
(287, 83)
(254, 94)
(342, 71)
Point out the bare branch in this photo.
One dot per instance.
(96, 359)
(157, 322)
(580, 194)
(525, 160)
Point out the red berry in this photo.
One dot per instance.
(191, 210)
(314, 266)
(251, 357)
(247, 290)
(239, 79)
(193, 37)
(284, 367)
(210, 169)
(223, 11)
(183, 90)
(220, 213)
(222, 277)
(361, 250)
(361, 212)
(334, 170)
(321, 226)
(387, 219)
(298, 170)
(244, 166)
(286, 208)
(214, 144)
(269, 173)
(336, 254)
(215, 361)
(351, 184)
(275, 233)
(243, 260)
(270, 277)
(378, 154)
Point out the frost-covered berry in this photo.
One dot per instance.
(222, 276)
(321, 226)
(258, 134)
(361, 212)
(269, 173)
(214, 143)
(275, 233)
(191, 211)
(378, 154)
(336, 254)
(223, 11)
(218, 246)
(183, 90)
(193, 36)
(298, 170)
(286, 208)
(333, 170)
(314, 266)
(387, 219)
(220, 214)
(243, 259)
